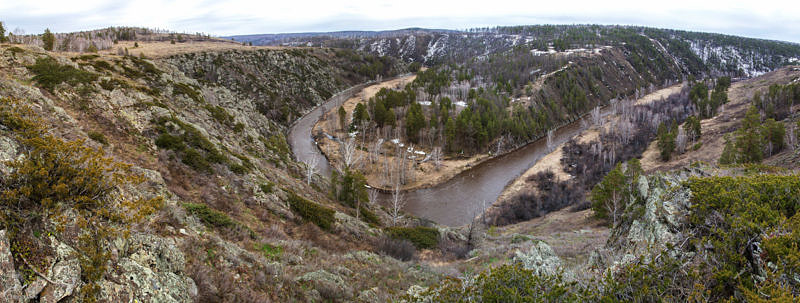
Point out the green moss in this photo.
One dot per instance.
(219, 114)
(271, 252)
(189, 91)
(239, 127)
(208, 216)
(100, 138)
(422, 237)
(267, 187)
(49, 73)
(369, 217)
(313, 212)
(194, 149)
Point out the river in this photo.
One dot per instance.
(455, 202)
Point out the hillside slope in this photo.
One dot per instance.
(699, 53)
(229, 216)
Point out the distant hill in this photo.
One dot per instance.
(699, 53)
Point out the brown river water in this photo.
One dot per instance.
(457, 201)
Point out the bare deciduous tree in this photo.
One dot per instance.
(680, 140)
(398, 202)
(436, 156)
(311, 168)
(550, 144)
(372, 195)
(350, 154)
(596, 116)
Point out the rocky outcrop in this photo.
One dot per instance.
(10, 289)
(539, 258)
(152, 270)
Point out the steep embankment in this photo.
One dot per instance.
(715, 129)
(229, 216)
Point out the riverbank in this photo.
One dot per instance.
(552, 161)
(420, 175)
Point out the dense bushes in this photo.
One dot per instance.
(549, 195)
(310, 211)
(399, 249)
(506, 283)
(422, 237)
(733, 216)
(209, 216)
(188, 143)
(49, 73)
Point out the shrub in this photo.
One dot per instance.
(399, 249)
(208, 216)
(267, 187)
(422, 237)
(49, 73)
(194, 149)
(506, 283)
(171, 142)
(313, 212)
(185, 89)
(99, 137)
(369, 217)
(271, 252)
(219, 114)
(753, 207)
(195, 160)
(238, 127)
(58, 177)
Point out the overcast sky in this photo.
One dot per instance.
(779, 20)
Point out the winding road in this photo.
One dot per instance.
(460, 199)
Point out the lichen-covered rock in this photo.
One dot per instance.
(8, 151)
(327, 282)
(658, 223)
(66, 274)
(539, 258)
(10, 289)
(151, 270)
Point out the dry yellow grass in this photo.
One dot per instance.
(161, 49)
(661, 93)
(715, 129)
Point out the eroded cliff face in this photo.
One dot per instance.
(204, 133)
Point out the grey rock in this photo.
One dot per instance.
(66, 274)
(34, 289)
(539, 258)
(326, 281)
(10, 289)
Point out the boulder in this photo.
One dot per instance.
(539, 258)
(10, 289)
(66, 274)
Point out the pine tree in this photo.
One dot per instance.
(342, 118)
(666, 142)
(2, 33)
(48, 39)
(415, 121)
(391, 119)
(608, 197)
(360, 114)
(729, 153)
(773, 132)
(749, 141)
